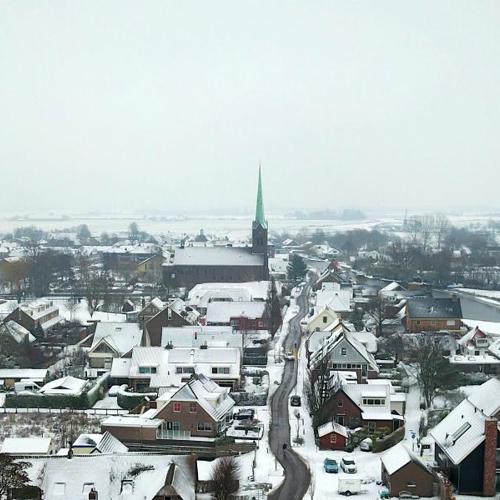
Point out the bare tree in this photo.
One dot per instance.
(433, 369)
(441, 228)
(94, 283)
(317, 391)
(426, 231)
(71, 306)
(225, 477)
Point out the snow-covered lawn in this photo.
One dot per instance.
(81, 314)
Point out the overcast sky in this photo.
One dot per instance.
(124, 105)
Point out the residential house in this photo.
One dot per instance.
(111, 340)
(321, 318)
(403, 471)
(201, 408)
(337, 297)
(153, 368)
(242, 316)
(475, 354)
(38, 316)
(175, 313)
(342, 351)
(16, 332)
(374, 406)
(113, 476)
(332, 436)
(433, 314)
(150, 269)
(467, 441)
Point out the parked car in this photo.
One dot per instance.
(331, 465)
(349, 485)
(289, 355)
(366, 445)
(295, 401)
(244, 414)
(406, 495)
(348, 465)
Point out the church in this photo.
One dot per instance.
(192, 265)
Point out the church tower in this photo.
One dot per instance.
(259, 226)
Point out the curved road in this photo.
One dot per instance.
(297, 476)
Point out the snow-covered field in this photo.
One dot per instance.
(491, 294)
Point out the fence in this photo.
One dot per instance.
(90, 411)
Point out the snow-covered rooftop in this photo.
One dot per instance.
(462, 430)
(120, 336)
(330, 427)
(222, 312)
(26, 446)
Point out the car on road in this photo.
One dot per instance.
(331, 465)
(348, 465)
(366, 445)
(295, 401)
(289, 355)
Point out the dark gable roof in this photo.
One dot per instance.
(434, 308)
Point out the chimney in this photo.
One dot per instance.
(490, 457)
(93, 495)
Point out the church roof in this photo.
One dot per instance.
(259, 209)
(216, 256)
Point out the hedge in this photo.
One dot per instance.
(389, 441)
(130, 400)
(83, 401)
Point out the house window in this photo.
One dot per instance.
(411, 484)
(340, 419)
(204, 426)
(221, 370)
(147, 369)
(371, 426)
(325, 319)
(192, 407)
(340, 403)
(184, 369)
(177, 407)
(343, 351)
(333, 438)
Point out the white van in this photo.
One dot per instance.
(349, 485)
(25, 385)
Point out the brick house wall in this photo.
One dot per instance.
(332, 441)
(490, 457)
(131, 434)
(154, 325)
(343, 410)
(416, 325)
(412, 478)
(188, 419)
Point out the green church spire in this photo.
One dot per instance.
(259, 209)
